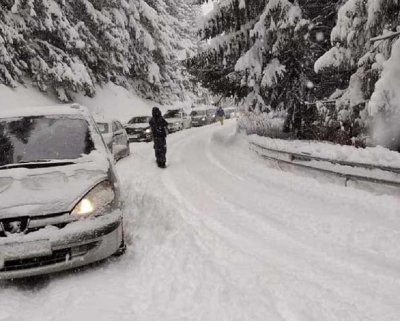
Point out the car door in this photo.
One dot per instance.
(124, 140)
(124, 137)
(117, 139)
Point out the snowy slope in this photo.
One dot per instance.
(23, 97)
(219, 235)
(114, 101)
(111, 101)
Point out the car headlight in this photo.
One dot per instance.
(203, 119)
(148, 131)
(101, 196)
(177, 124)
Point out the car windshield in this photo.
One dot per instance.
(103, 127)
(31, 139)
(211, 111)
(173, 114)
(198, 113)
(140, 120)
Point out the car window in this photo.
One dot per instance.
(173, 114)
(29, 139)
(119, 126)
(114, 127)
(104, 128)
(140, 120)
(198, 113)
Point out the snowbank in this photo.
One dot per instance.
(110, 101)
(265, 124)
(371, 155)
(23, 97)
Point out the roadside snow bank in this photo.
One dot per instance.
(23, 97)
(372, 155)
(116, 102)
(111, 101)
(265, 124)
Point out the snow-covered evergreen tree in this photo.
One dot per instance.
(70, 46)
(263, 52)
(361, 44)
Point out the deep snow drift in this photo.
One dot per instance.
(219, 235)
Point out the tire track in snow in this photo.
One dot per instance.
(201, 249)
(317, 252)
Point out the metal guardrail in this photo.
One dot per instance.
(307, 157)
(393, 186)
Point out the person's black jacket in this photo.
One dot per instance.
(159, 126)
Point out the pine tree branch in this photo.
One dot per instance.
(385, 37)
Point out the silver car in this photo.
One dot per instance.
(177, 120)
(59, 194)
(200, 117)
(138, 129)
(115, 137)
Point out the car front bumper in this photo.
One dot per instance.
(55, 249)
(173, 129)
(198, 123)
(140, 138)
(134, 138)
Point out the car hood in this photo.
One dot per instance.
(51, 190)
(138, 126)
(174, 120)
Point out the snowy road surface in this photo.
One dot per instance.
(219, 236)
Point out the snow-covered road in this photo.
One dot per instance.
(219, 235)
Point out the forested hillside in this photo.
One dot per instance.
(69, 46)
(314, 63)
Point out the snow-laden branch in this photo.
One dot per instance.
(385, 37)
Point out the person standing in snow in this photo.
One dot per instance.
(220, 115)
(159, 128)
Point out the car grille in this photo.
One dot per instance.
(22, 264)
(133, 131)
(25, 223)
(57, 256)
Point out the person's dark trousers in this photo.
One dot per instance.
(160, 148)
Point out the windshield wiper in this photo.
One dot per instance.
(38, 164)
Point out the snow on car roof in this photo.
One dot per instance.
(69, 109)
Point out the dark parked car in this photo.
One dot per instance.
(139, 130)
(211, 113)
(59, 194)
